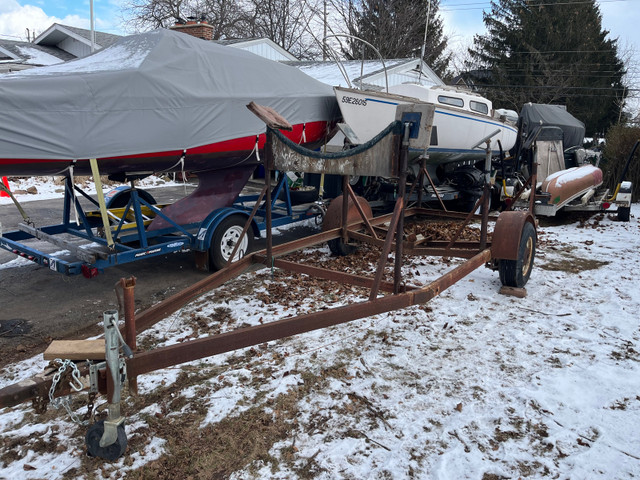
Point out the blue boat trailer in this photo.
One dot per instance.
(131, 210)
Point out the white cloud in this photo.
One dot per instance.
(15, 19)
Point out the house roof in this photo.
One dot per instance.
(57, 33)
(367, 72)
(29, 54)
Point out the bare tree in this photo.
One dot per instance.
(286, 22)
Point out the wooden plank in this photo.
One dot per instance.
(75, 350)
(82, 254)
(269, 116)
(513, 291)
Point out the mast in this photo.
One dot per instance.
(424, 41)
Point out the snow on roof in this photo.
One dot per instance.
(124, 56)
(329, 72)
(27, 53)
(35, 56)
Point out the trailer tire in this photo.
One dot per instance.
(623, 213)
(516, 273)
(338, 247)
(224, 240)
(121, 199)
(111, 452)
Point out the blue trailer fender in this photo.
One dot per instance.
(209, 225)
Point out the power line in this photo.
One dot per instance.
(484, 5)
(537, 87)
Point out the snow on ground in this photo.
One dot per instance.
(473, 385)
(46, 188)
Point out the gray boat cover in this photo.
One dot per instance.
(535, 114)
(155, 92)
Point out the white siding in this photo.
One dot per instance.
(265, 51)
(74, 47)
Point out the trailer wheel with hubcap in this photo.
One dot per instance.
(515, 273)
(224, 240)
(110, 452)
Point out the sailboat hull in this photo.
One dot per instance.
(454, 135)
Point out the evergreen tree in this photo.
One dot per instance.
(550, 51)
(396, 28)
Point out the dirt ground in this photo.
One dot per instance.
(38, 305)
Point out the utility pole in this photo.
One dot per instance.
(324, 37)
(93, 32)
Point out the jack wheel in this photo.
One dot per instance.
(224, 241)
(111, 452)
(516, 273)
(623, 213)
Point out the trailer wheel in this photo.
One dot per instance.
(515, 273)
(121, 198)
(623, 213)
(338, 247)
(111, 452)
(333, 219)
(224, 241)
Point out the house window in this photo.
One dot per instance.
(479, 107)
(453, 101)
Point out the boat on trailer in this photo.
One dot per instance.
(567, 177)
(462, 119)
(454, 157)
(161, 101)
(154, 102)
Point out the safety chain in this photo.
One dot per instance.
(75, 383)
(88, 417)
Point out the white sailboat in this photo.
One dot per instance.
(462, 119)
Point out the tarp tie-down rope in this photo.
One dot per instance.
(257, 150)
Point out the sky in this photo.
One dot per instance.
(462, 18)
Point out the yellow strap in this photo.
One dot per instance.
(25, 217)
(615, 194)
(103, 206)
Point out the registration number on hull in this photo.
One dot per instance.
(354, 101)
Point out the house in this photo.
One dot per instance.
(63, 43)
(73, 40)
(264, 47)
(59, 43)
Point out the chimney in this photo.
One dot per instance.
(195, 27)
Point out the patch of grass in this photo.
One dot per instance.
(572, 264)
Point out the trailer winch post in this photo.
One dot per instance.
(114, 385)
(486, 195)
(399, 232)
(128, 289)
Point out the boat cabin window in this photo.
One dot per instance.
(479, 107)
(454, 101)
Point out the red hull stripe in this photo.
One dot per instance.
(314, 131)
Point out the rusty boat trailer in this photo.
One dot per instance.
(348, 219)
